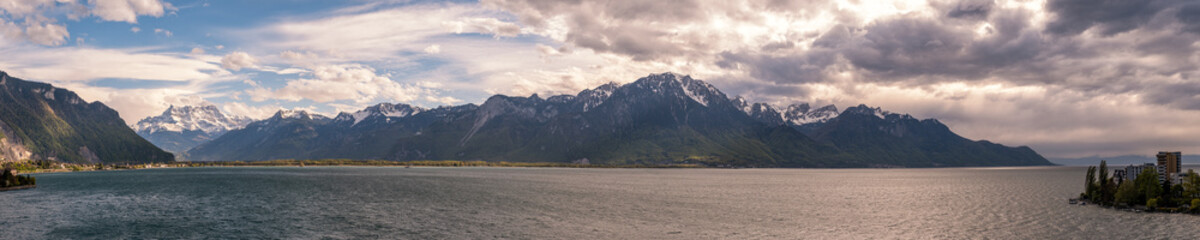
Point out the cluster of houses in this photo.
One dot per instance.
(1169, 167)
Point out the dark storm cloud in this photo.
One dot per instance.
(1108, 16)
(966, 8)
(643, 29)
(1180, 95)
(804, 68)
(905, 48)
(1189, 16)
(963, 40)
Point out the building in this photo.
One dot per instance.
(1169, 165)
(1119, 175)
(1180, 178)
(1132, 171)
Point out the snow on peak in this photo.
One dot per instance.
(800, 114)
(205, 118)
(296, 114)
(383, 109)
(865, 110)
(594, 97)
(697, 90)
(741, 104)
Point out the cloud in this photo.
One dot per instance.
(84, 64)
(328, 83)
(1189, 15)
(126, 10)
(164, 32)
(1108, 16)
(135, 29)
(47, 34)
(197, 51)
(433, 49)
(40, 16)
(237, 60)
(363, 36)
(485, 25)
(253, 112)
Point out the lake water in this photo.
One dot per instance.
(555, 203)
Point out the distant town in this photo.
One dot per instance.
(1160, 186)
(1168, 166)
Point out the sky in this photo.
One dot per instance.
(1069, 78)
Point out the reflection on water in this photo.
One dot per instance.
(348, 202)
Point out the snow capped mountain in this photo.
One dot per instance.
(296, 114)
(206, 119)
(795, 115)
(661, 118)
(865, 110)
(591, 98)
(759, 111)
(180, 128)
(667, 83)
(386, 110)
(801, 114)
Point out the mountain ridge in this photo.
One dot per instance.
(41, 122)
(660, 118)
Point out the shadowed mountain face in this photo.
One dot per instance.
(661, 118)
(39, 121)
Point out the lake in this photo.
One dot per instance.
(560, 203)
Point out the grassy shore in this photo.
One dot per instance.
(444, 163)
(50, 167)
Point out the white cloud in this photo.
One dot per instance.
(164, 32)
(343, 82)
(83, 64)
(21, 8)
(369, 36)
(254, 112)
(444, 100)
(135, 29)
(492, 26)
(197, 51)
(126, 10)
(39, 16)
(238, 60)
(47, 33)
(433, 49)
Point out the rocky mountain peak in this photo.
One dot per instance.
(205, 118)
(681, 86)
(296, 114)
(387, 110)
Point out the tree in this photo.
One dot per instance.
(1191, 185)
(1109, 192)
(1127, 193)
(1105, 195)
(1147, 184)
(1167, 194)
(1089, 188)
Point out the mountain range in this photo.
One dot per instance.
(178, 129)
(658, 119)
(41, 122)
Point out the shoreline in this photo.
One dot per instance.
(22, 187)
(67, 167)
(1137, 209)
